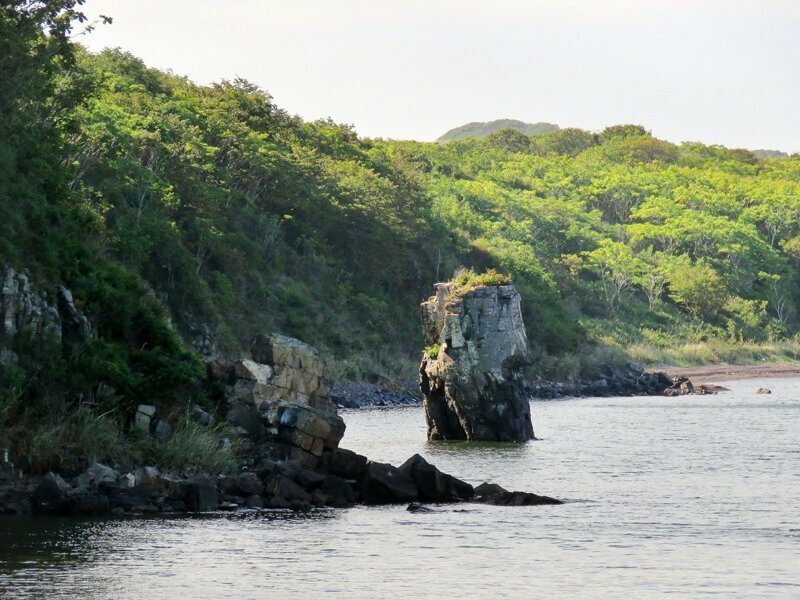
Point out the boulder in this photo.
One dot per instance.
(144, 415)
(338, 490)
(385, 484)
(244, 484)
(433, 485)
(252, 371)
(200, 493)
(51, 495)
(344, 463)
(472, 387)
(280, 486)
(147, 481)
(491, 493)
(96, 476)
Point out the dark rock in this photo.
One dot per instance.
(310, 479)
(244, 484)
(279, 486)
(91, 504)
(96, 476)
(51, 494)
(486, 490)
(247, 417)
(254, 502)
(385, 484)
(491, 493)
(433, 485)
(147, 481)
(419, 508)
(200, 493)
(520, 499)
(338, 489)
(199, 415)
(344, 463)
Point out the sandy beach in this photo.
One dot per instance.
(717, 373)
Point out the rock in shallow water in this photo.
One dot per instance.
(471, 387)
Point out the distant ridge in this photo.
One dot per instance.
(479, 129)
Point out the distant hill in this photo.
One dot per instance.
(770, 154)
(478, 129)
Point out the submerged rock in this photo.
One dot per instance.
(470, 382)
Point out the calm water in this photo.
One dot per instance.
(689, 497)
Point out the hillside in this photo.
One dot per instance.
(185, 219)
(479, 130)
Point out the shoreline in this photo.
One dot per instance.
(724, 372)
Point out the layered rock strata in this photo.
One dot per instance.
(279, 401)
(469, 374)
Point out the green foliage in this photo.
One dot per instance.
(170, 208)
(466, 279)
(432, 351)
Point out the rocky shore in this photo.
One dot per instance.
(630, 380)
(341, 479)
(278, 406)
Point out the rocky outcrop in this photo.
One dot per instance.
(682, 386)
(28, 312)
(468, 376)
(279, 401)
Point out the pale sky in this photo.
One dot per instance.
(717, 71)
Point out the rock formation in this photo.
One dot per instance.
(279, 401)
(468, 376)
(27, 312)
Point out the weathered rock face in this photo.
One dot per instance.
(471, 388)
(280, 400)
(26, 311)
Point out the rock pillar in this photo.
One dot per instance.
(469, 373)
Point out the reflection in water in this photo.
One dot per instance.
(690, 496)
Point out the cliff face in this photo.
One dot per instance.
(471, 387)
(28, 312)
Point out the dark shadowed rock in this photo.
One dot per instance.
(51, 493)
(472, 388)
(385, 484)
(433, 485)
(200, 493)
(491, 493)
(338, 489)
(280, 486)
(244, 484)
(344, 463)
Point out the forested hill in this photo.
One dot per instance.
(481, 129)
(185, 216)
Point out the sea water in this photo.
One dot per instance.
(688, 497)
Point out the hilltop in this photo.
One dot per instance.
(480, 130)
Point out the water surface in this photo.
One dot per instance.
(690, 497)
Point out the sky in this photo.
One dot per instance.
(716, 71)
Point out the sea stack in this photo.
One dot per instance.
(469, 372)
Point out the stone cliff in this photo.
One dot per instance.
(468, 376)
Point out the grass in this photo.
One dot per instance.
(68, 441)
(715, 351)
(432, 351)
(465, 280)
(194, 448)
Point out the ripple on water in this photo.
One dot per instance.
(689, 496)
